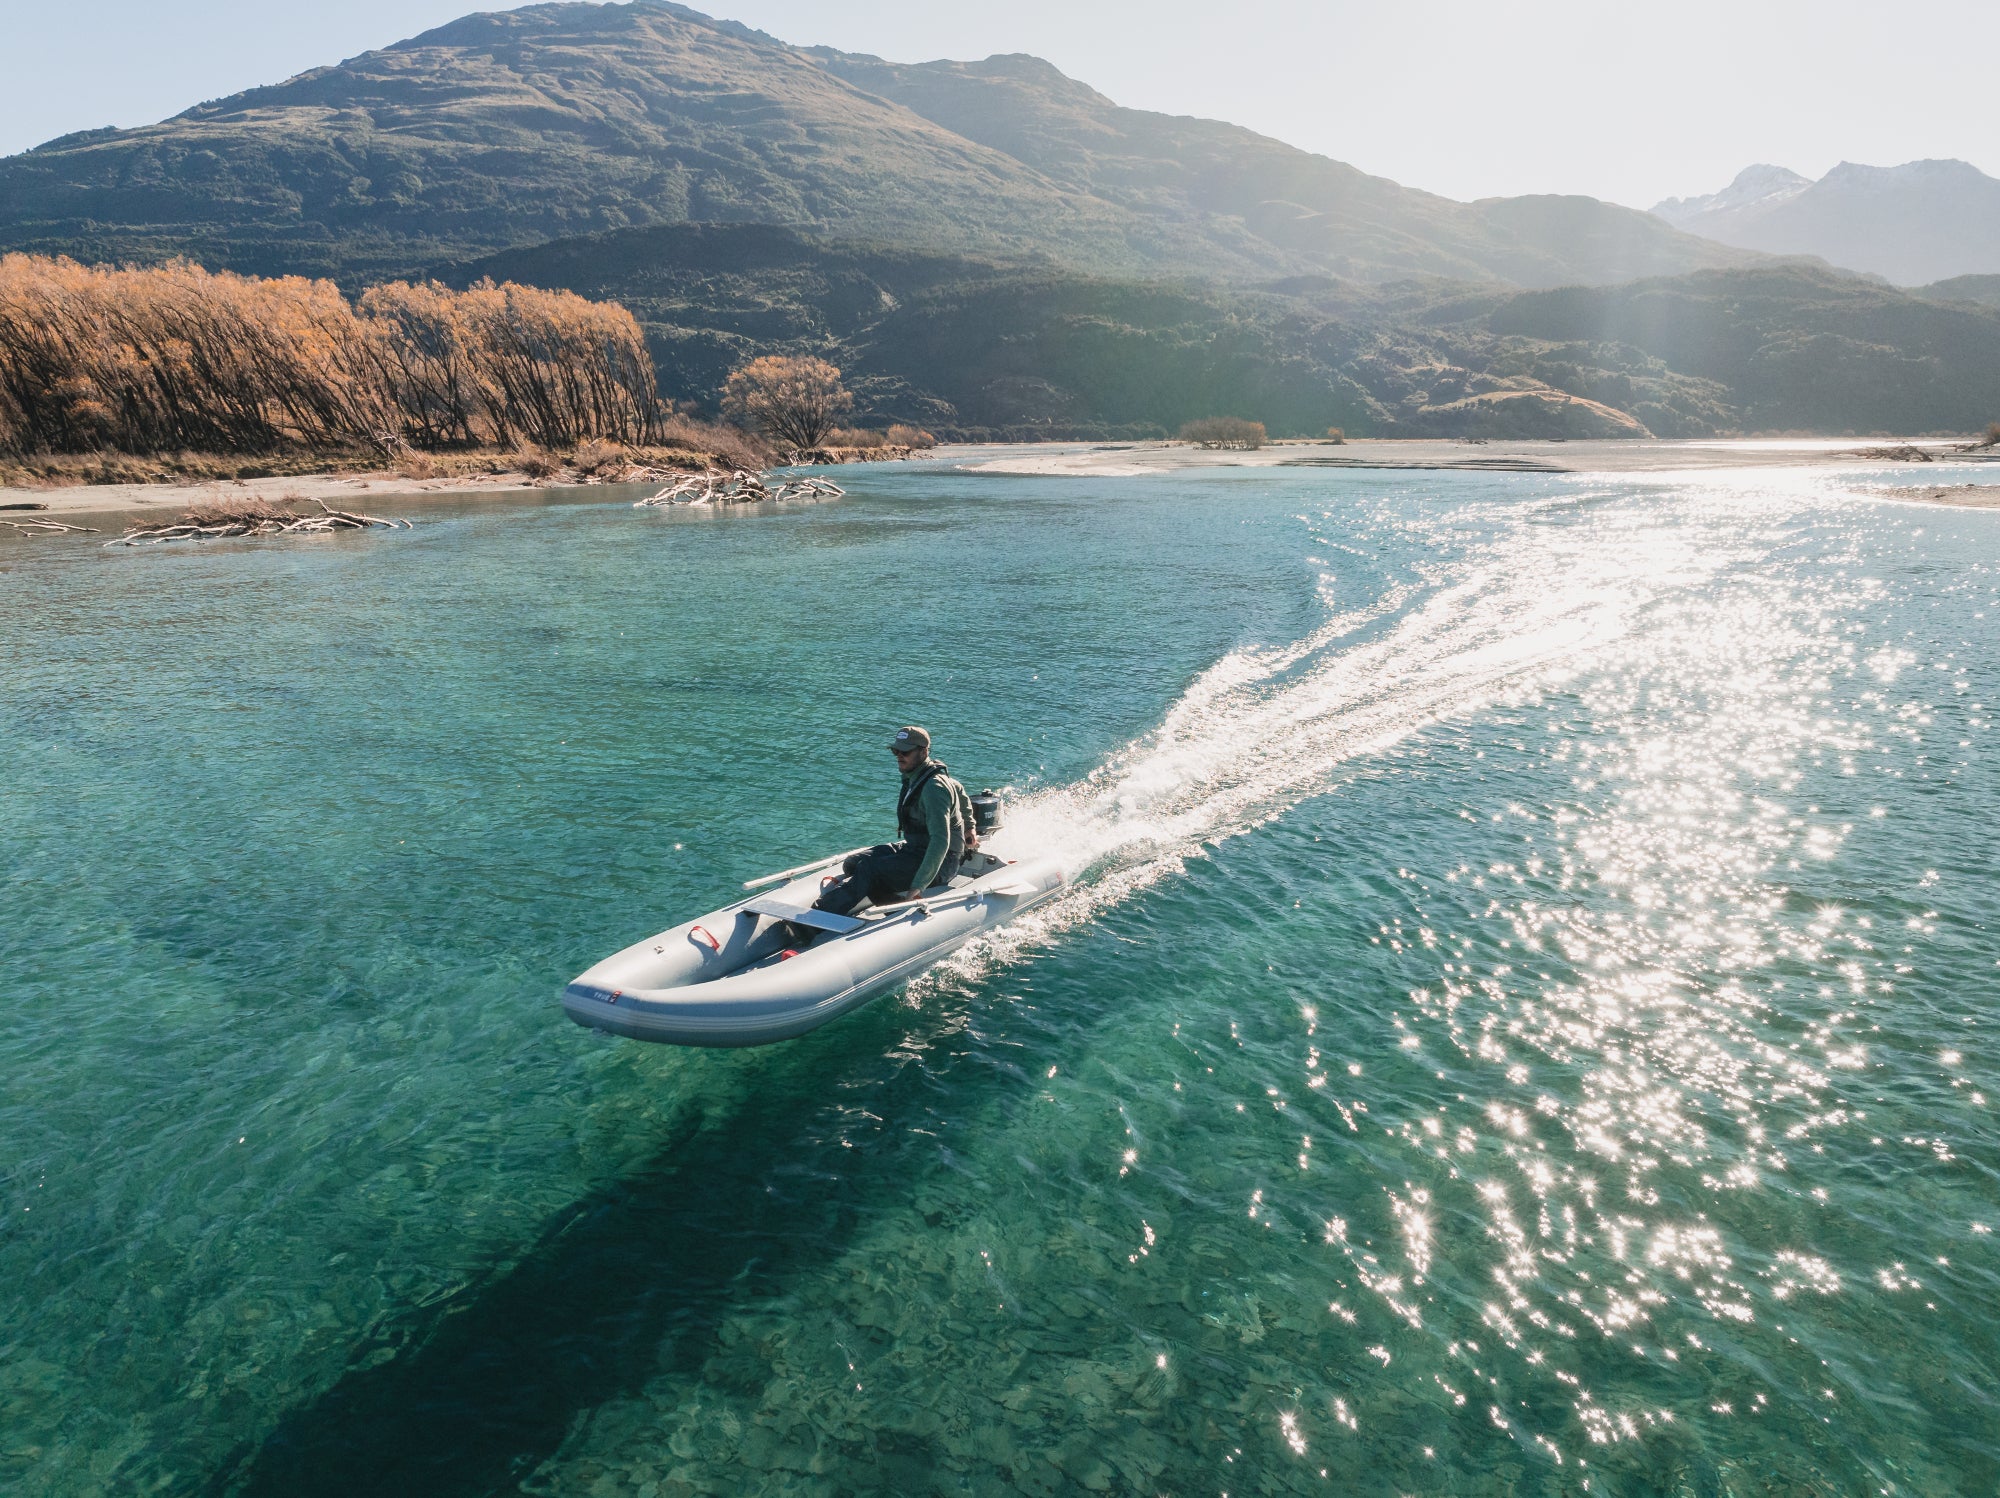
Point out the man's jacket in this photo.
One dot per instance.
(933, 813)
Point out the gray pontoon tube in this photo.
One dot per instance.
(732, 978)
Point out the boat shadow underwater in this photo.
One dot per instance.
(627, 1283)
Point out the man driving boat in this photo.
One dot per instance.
(934, 816)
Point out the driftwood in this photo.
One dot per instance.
(49, 527)
(810, 488)
(254, 517)
(1970, 452)
(740, 487)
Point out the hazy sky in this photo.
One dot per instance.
(1630, 100)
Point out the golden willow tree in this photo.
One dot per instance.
(793, 401)
(174, 359)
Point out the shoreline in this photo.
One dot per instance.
(346, 487)
(341, 490)
(358, 490)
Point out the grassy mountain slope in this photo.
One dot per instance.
(989, 348)
(1310, 207)
(529, 125)
(1984, 290)
(561, 119)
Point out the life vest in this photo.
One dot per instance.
(910, 817)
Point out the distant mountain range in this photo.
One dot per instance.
(1914, 224)
(529, 125)
(997, 250)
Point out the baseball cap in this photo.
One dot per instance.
(909, 738)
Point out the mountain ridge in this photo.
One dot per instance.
(1754, 186)
(509, 128)
(1344, 219)
(1918, 223)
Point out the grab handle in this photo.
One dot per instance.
(804, 868)
(705, 934)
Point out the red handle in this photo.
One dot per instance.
(703, 932)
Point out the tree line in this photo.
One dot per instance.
(175, 358)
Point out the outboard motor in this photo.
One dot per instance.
(986, 813)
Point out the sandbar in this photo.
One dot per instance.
(1965, 496)
(1136, 459)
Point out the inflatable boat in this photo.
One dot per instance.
(742, 975)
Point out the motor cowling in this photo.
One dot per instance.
(986, 812)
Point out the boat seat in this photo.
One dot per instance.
(802, 915)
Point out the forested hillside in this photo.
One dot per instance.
(987, 348)
(1799, 348)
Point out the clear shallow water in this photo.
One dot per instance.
(1525, 1019)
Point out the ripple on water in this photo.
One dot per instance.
(1519, 1023)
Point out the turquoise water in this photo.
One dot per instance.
(1523, 1023)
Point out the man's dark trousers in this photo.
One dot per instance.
(884, 870)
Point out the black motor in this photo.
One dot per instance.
(986, 812)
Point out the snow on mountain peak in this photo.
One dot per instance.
(1759, 184)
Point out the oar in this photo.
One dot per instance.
(804, 868)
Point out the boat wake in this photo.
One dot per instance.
(1267, 727)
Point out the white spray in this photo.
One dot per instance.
(1264, 728)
